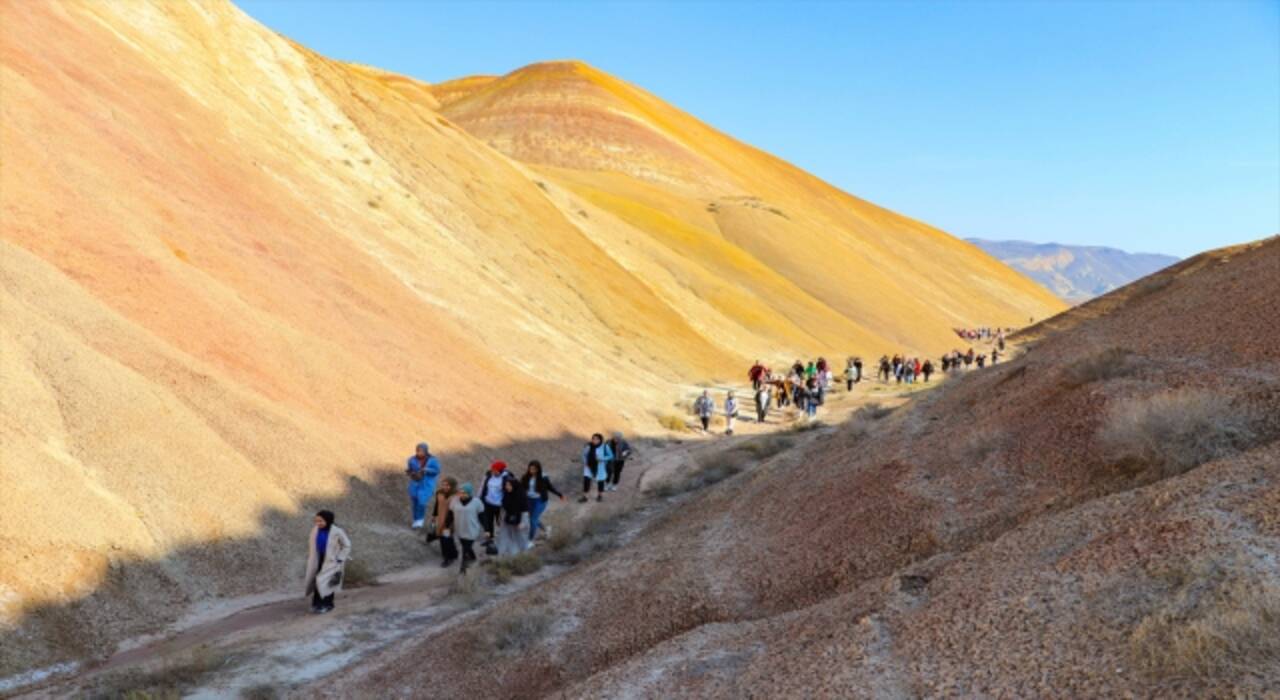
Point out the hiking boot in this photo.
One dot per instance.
(447, 563)
(599, 497)
(583, 499)
(417, 525)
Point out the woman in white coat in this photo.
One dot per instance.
(326, 560)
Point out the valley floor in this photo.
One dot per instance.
(268, 645)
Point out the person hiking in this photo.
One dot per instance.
(491, 492)
(621, 450)
(981, 359)
(883, 373)
(704, 407)
(995, 356)
(538, 490)
(926, 369)
(811, 398)
(756, 374)
(849, 375)
(968, 359)
(857, 367)
(763, 400)
(328, 550)
(798, 369)
(730, 412)
(511, 532)
(422, 468)
(915, 370)
(466, 511)
(442, 521)
(595, 466)
(811, 370)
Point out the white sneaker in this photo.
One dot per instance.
(417, 524)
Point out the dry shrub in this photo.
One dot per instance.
(467, 591)
(1177, 431)
(171, 680)
(575, 541)
(766, 447)
(357, 573)
(519, 630)
(504, 569)
(1211, 633)
(1110, 363)
(804, 426)
(874, 411)
(673, 422)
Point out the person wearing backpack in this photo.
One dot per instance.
(511, 537)
(491, 493)
(595, 466)
(422, 468)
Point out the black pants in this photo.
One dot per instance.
(848, 385)
(615, 471)
(761, 412)
(468, 552)
(489, 518)
(586, 485)
(448, 549)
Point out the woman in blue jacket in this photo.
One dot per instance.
(422, 468)
(595, 466)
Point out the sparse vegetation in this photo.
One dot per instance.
(1177, 431)
(504, 569)
(1211, 628)
(170, 680)
(357, 573)
(515, 632)
(573, 541)
(673, 422)
(707, 470)
(467, 591)
(765, 447)
(1105, 364)
(804, 425)
(874, 410)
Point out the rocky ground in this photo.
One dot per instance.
(1098, 517)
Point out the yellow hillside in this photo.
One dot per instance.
(236, 275)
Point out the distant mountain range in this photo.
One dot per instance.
(1075, 273)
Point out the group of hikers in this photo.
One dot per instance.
(983, 333)
(504, 512)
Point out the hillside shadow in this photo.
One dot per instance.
(138, 596)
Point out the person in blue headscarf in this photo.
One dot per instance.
(422, 468)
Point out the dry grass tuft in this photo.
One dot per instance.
(516, 632)
(1110, 363)
(172, 679)
(575, 541)
(467, 591)
(1177, 431)
(357, 574)
(981, 443)
(504, 569)
(1211, 632)
(673, 422)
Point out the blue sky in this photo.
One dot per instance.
(1150, 126)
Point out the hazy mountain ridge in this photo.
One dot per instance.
(1075, 273)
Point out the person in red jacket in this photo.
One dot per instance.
(756, 374)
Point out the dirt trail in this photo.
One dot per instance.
(271, 640)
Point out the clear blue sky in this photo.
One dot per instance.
(1151, 126)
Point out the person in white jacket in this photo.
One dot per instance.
(730, 412)
(327, 556)
(466, 522)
